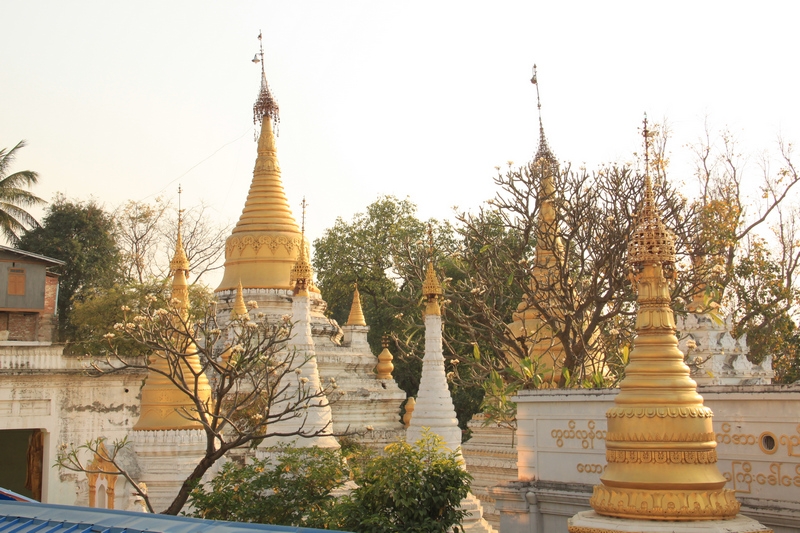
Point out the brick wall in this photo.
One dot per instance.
(50, 293)
(22, 326)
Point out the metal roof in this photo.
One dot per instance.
(21, 517)
(32, 255)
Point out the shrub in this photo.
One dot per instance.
(292, 488)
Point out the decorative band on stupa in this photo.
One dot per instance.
(660, 445)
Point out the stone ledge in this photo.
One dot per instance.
(591, 522)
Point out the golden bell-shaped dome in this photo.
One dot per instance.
(265, 242)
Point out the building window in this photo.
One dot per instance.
(16, 281)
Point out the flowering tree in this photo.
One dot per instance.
(252, 380)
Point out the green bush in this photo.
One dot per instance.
(411, 488)
(415, 488)
(294, 488)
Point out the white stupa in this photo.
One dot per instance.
(312, 426)
(434, 409)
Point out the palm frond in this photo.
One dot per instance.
(7, 157)
(14, 197)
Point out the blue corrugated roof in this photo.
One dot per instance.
(6, 494)
(21, 517)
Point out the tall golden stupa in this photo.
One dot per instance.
(264, 245)
(528, 324)
(164, 406)
(660, 444)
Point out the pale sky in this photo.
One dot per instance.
(125, 100)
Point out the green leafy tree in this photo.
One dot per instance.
(415, 487)
(82, 234)
(363, 251)
(96, 313)
(14, 197)
(291, 487)
(384, 250)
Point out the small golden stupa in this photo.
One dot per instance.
(301, 276)
(356, 317)
(163, 405)
(660, 444)
(265, 243)
(239, 310)
(385, 366)
(528, 324)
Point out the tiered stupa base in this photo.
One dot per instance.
(591, 522)
(166, 458)
(474, 521)
(491, 458)
(360, 400)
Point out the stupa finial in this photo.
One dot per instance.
(385, 367)
(431, 288)
(239, 311)
(544, 151)
(301, 275)
(179, 260)
(651, 241)
(266, 105)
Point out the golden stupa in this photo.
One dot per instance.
(356, 316)
(239, 309)
(265, 243)
(301, 274)
(385, 367)
(660, 445)
(528, 324)
(164, 405)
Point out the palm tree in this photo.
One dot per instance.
(14, 198)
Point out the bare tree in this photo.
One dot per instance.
(147, 232)
(253, 378)
(139, 237)
(203, 239)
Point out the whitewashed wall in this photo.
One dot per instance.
(561, 453)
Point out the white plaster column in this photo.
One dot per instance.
(434, 408)
(313, 414)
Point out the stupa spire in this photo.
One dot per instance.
(660, 444)
(431, 288)
(265, 242)
(301, 276)
(434, 405)
(544, 151)
(179, 267)
(528, 323)
(316, 424)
